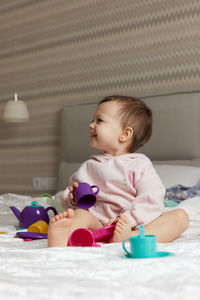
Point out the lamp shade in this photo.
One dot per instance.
(15, 112)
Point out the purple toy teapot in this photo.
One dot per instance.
(32, 213)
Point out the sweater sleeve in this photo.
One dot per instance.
(148, 203)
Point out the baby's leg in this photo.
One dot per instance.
(168, 226)
(63, 224)
(84, 219)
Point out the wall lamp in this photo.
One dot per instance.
(16, 111)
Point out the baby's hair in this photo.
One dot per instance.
(135, 114)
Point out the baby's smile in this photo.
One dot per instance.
(93, 135)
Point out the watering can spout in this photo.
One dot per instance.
(16, 212)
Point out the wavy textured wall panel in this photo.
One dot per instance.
(56, 52)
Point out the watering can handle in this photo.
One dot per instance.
(53, 209)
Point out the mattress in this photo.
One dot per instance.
(30, 270)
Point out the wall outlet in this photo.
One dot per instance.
(44, 183)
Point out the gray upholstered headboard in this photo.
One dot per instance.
(175, 139)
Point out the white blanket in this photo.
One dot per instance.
(30, 270)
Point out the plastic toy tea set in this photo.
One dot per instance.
(143, 246)
(35, 219)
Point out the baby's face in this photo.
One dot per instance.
(106, 127)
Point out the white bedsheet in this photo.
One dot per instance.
(30, 270)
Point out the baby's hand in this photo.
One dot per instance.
(71, 195)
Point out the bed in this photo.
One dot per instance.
(30, 270)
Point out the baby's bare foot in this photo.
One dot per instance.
(59, 226)
(122, 230)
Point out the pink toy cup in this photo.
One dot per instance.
(84, 195)
(104, 234)
(82, 237)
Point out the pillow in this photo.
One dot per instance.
(174, 174)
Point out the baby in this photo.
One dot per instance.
(131, 192)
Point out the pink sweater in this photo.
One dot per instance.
(128, 184)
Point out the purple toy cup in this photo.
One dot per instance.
(84, 195)
(82, 237)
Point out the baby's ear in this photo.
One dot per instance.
(126, 134)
